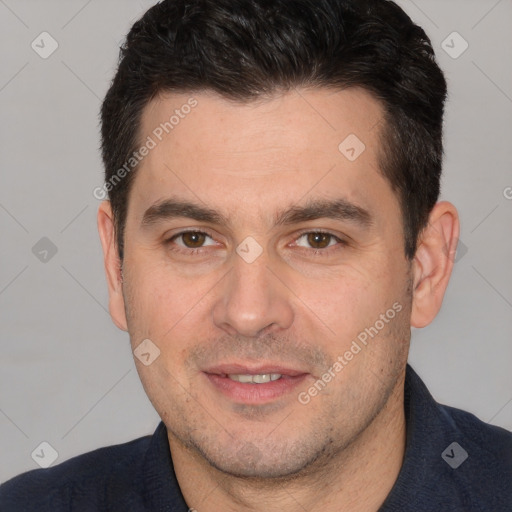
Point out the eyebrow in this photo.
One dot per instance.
(338, 209)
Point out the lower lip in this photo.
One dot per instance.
(248, 393)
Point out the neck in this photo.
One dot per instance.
(357, 479)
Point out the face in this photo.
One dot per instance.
(257, 248)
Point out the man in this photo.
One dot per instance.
(271, 235)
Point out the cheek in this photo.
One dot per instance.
(341, 297)
(160, 302)
(348, 301)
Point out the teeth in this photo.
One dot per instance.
(255, 379)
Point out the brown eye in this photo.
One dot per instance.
(193, 239)
(319, 243)
(319, 240)
(192, 243)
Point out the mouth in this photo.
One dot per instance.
(254, 384)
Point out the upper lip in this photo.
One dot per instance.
(252, 369)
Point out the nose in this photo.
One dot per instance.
(252, 300)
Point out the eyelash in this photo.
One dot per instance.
(315, 252)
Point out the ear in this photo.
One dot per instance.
(112, 264)
(433, 262)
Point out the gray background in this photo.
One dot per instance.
(67, 375)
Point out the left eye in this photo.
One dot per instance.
(318, 240)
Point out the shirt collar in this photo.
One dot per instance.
(429, 430)
(161, 491)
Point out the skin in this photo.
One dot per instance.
(342, 450)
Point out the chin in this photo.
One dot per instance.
(247, 461)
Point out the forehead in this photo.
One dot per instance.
(237, 157)
(302, 121)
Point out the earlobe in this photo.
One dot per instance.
(433, 263)
(112, 265)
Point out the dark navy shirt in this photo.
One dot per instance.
(453, 463)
